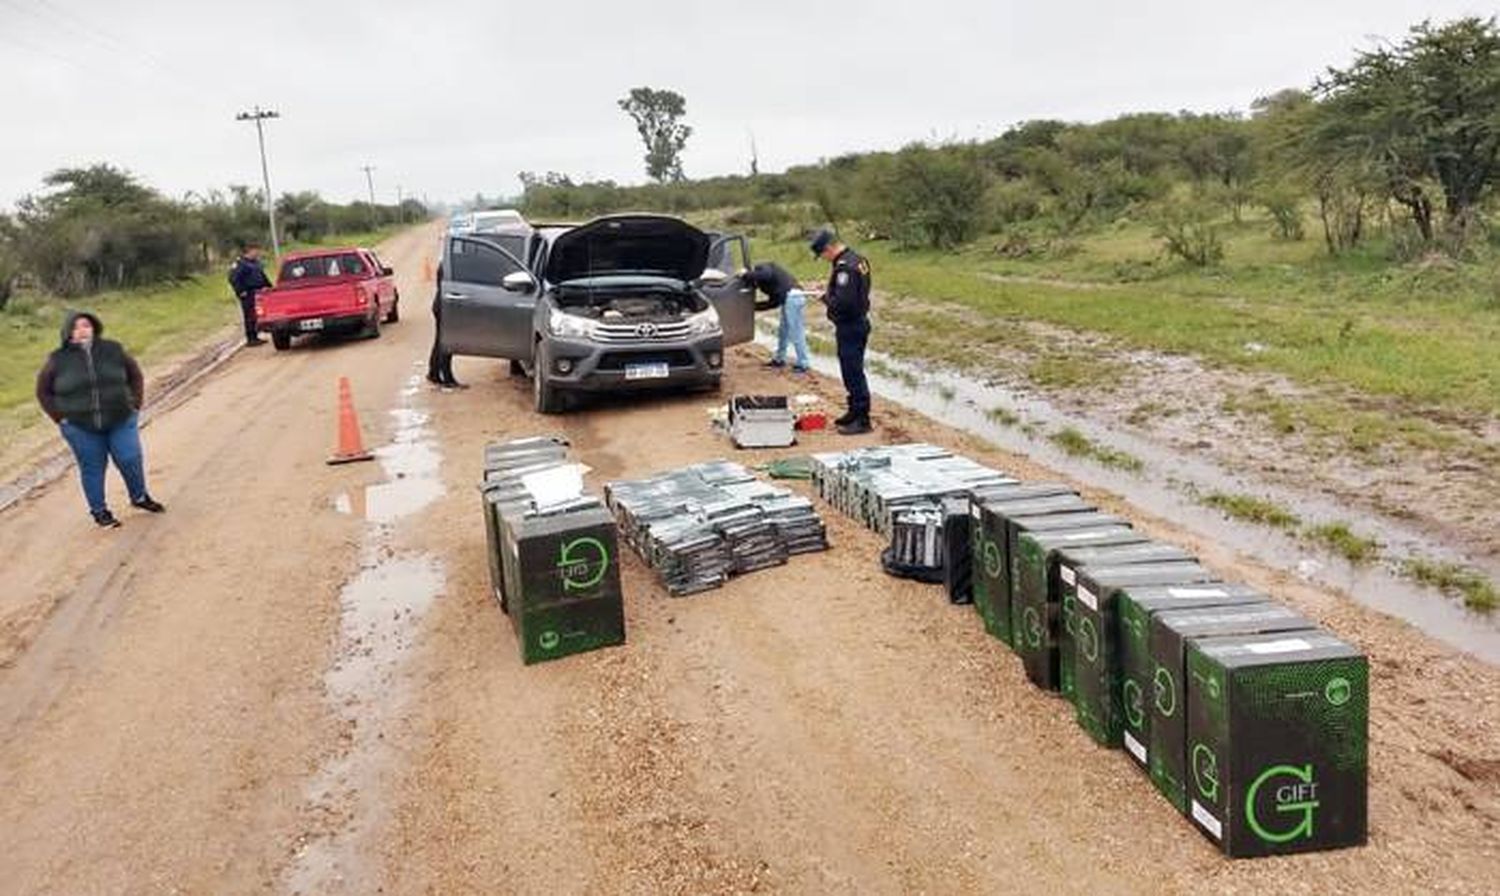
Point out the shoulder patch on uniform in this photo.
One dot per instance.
(864, 267)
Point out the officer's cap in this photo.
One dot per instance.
(820, 240)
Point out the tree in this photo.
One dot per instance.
(931, 197)
(1424, 110)
(658, 119)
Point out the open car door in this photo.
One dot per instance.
(732, 295)
(483, 312)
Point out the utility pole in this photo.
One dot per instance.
(400, 206)
(258, 116)
(370, 182)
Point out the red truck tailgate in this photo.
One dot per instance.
(330, 299)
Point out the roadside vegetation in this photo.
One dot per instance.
(1076, 444)
(1477, 592)
(1250, 509)
(1336, 235)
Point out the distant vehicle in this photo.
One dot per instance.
(622, 303)
(346, 291)
(495, 219)
(460, 223)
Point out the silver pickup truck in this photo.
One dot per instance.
(624, 302)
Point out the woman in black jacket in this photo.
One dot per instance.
(92, 389)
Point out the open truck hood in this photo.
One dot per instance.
(629, 244)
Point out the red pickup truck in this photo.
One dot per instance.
(328, 291)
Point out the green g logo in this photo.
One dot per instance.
(1031, 627)
(1282, 790)
(992, 560)
(1135, 703)
(1166, 691)
(1206, 772)
(1088, 639)
(548, 640)
(1338, 691)
(582, 563)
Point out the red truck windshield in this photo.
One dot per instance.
(342, 264)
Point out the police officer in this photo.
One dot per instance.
(848, 301)
(247, 278)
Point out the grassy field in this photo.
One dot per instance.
(152, 322)
(1420, 336)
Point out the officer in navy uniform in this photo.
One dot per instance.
(848, 301)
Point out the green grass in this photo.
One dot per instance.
(1339, 538)
(1073, 371)
(947, 393)
(1251, 509)
(1345, 428)
(1076, 444)
(1478, 592)
(1147, 411)
(1003, 416)
(1422, 336)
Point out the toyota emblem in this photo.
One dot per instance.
(646, 331)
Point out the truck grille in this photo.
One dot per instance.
(641, 332)
(618, 360)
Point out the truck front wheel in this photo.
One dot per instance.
(281, 340)
(549, 399)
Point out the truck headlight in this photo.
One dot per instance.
(570, 326)
(704, 323)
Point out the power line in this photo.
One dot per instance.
(73, 28)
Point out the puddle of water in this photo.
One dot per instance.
(381, 611)
(1166, 486)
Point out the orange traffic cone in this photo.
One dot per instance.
(351, 443)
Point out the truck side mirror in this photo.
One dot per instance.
(387, 271)
(518, 281)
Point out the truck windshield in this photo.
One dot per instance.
(341, 265)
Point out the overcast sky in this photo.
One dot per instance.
(446, 99)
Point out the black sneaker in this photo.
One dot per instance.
(801, 369)
(856, 427)
(254, 342)
(149, 504)
(105, 520)
(845, 420)
(775, 364)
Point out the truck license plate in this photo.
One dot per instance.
(315, 323)
(653, 371)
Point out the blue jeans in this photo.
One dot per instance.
(793, 327)
(94, 451)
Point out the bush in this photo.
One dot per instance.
(928, 197)
(99, 228)
(1285, 208)
(1012, 202)
(1188, 233)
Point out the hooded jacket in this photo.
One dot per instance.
(96, 387)
(773, 280)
